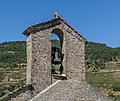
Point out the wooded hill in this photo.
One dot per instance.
(98, 54)
(13, 54)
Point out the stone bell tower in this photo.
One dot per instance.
(39, 52)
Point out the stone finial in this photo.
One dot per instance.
(56, 15)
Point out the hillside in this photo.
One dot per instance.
(12, 66)
(13, 54)
(98, 56)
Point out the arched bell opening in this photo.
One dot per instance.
(56, 51)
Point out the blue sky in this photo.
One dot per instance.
(96, 20)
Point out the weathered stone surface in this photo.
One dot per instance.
(39, 54)
(71, 90)
(25, 96)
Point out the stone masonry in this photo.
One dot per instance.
(39, 52)
(20, 94)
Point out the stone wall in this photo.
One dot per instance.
(75, 56)
(39, 55)
(40, 64)
(20, 94)
(25, 96)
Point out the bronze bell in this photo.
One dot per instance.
(57, 59)
(56, 55)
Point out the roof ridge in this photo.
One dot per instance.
(43, 25)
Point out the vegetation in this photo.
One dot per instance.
(12, 54)
(105, 80)
(12, 66)
(98, 54)
(9, 87)
(55, 43)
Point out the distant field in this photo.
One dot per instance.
(106, 82)
(11, 79)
